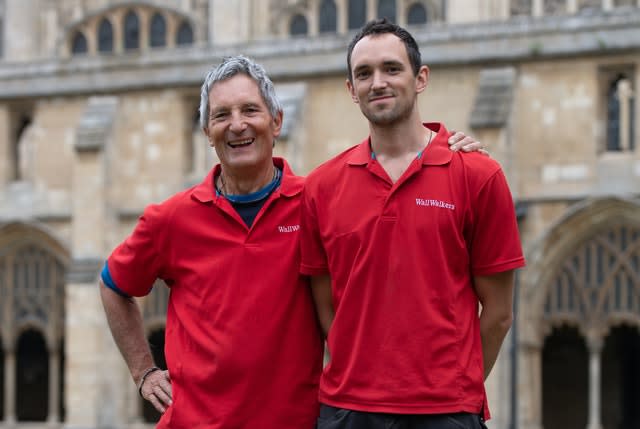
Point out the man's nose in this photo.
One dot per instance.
(238, 123)
(378, 81)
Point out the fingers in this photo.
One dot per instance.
(459, 141)
(157, 390)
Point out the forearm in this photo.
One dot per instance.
(493, 329)
(321, 291)
(126, 325)
(495, 293)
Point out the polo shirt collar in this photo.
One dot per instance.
(289, 186)
(437, 153)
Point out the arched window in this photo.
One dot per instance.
(328, 16)
(417, 14)
(105, 36)
(387, 9)
(131, 31)
(79, 44)
(158, 31)
(298, 25)
(32, 377)
(357, 13)
(184, 35)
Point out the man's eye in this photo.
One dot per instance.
(362, 74)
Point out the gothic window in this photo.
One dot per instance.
(158, 31)
(32, 377)
(298, 25)
(79, 44)
(620, 114)
(328, 17)
(521, 8)
(184, 35)
(387, 9)
(555, 7)
(131, 31)
(357, 13)
(105, 36)
(417, 14)
(600, 280)
(20, 152)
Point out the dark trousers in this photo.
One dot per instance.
(339, 418)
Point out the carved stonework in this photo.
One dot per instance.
(521, 7)
(555, 7)
(589, 4)
(599, 282)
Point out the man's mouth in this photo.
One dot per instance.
(240, 143)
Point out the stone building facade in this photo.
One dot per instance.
(98, 118)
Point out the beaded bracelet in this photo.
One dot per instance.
(144, 377)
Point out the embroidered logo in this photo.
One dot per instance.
(435, 203)
(288, 228)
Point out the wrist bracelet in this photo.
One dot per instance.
(145, 374)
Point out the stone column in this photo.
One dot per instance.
(21, 30)
(90, 399)
(624, 98)
(537, 8)
(10, 386)
(54, 383)
(595, 353)
(530, 386)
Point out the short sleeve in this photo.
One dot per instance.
(136, 263)
(495, 240)
(313, 255)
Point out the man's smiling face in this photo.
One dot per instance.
(240, 126)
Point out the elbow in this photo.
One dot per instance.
(505, 321)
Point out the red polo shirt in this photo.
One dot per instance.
(242, 343)
(406, 338)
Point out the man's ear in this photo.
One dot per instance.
(205, 130)
(352, 91)
(277, 124)
(422, 79)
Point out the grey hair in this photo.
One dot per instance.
(230, 67)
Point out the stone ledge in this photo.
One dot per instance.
(443, 44)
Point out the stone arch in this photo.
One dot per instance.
(33, 265)
(585, 228)
(548, 254)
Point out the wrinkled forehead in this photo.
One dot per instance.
(237, 89)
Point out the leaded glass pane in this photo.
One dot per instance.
(105, 36)
(387, 9)
(79, 44)
(417, 14)
(328, 16)
(185, 34)
(357, 13)
(131, 31)
(298, 26)
(158, 31)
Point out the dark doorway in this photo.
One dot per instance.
(621, 379)
(156, 342)
(32, 378)
(565, 380)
